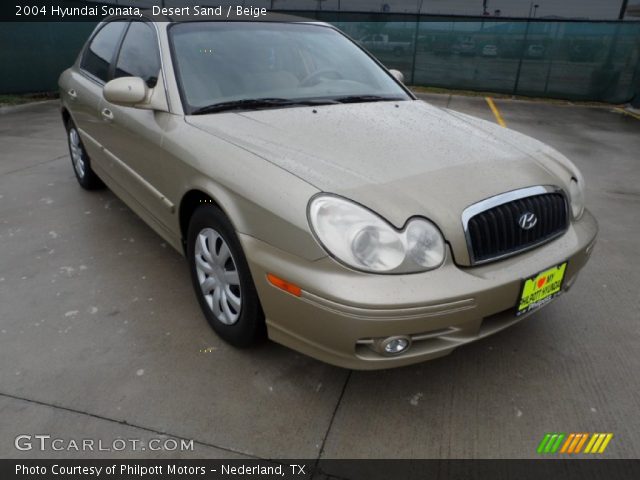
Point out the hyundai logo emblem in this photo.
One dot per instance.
(527, 221)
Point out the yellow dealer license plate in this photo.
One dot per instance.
(541, 289)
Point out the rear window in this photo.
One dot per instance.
(102, 49)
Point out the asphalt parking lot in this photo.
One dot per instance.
(101, 336)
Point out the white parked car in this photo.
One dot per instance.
(490, 51)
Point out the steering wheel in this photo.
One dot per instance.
(309, 79)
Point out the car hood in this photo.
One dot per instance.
(400, 159)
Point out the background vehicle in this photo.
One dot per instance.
(490, 51)
(535, 51)
(378, 43)
(466, 47)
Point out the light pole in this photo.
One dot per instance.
(415, 41)
(524, 48)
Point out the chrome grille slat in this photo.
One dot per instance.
(493, 232)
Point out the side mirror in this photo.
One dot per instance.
(126, 91)
(397, 74)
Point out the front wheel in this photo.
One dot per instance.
(222, 280)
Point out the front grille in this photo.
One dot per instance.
(496, 233)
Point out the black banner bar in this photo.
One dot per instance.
(323, 469)
(68, 11)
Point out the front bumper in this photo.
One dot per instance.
(340, 310)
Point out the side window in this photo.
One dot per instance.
(139, 55)
(102, 48)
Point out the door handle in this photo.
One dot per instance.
(107, 115)
(73, 94)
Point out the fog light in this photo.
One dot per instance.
(394, 345)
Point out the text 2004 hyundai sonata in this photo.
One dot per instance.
(318, 201)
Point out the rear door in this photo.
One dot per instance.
(84, 91)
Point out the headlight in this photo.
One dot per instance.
(363, 240)
(576, 192)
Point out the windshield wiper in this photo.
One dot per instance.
(366, 98)
(257, 104)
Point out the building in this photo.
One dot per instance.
(633, 11)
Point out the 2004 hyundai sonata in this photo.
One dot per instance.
(316, 199)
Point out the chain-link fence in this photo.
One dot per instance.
(578, 60)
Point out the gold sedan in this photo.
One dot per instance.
(316, 199)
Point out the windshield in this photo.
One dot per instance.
(236, 62)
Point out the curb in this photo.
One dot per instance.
(24, 106)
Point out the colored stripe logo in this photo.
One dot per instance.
(573, 443)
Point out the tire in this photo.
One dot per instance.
(222, 283)
(80, 161)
